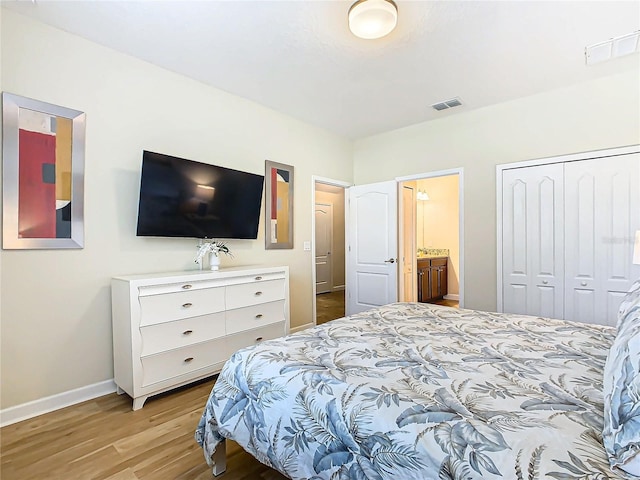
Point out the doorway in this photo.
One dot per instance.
(329, 250)
(431, 236)
(408, 254)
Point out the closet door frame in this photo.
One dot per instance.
(605, 153)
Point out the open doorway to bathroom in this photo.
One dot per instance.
(430, 239)
(329, 251)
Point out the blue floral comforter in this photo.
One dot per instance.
(418, 391)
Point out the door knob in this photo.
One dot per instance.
(391, 260)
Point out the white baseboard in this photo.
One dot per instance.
(453, 296)
(41, 406)
(301, 327)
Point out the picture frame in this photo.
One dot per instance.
(279, 205)
(42, 174)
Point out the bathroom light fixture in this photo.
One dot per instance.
(422, 195)
(371, 19)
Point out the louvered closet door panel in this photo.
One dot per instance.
(602, 215)
(532, 202)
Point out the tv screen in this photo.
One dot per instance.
(183, 198)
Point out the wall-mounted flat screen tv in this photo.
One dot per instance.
(184, 198)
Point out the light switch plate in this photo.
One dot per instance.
(307, 246)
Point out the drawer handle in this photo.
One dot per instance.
(584, 284)
(187, 332)
(187, 305)
(258, 294)
(259, 339)
(258, 278)
(259, 316)
(188, 360)
(186, 287)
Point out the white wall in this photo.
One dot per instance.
(1, 89)
(592, 115)
(56, 324)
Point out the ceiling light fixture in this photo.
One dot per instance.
(371, 19)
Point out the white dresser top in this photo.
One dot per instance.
(192, 275)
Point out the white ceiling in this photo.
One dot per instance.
(299, 58)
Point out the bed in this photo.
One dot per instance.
(419, 391)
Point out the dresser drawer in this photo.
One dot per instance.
(251, 337)
(181, 361)
(253, 293)
(255, 316)
(164, 288)
(262, 277)
(156, 309)
(179, 333)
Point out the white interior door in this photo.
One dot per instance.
(602, 215)
(532, 239)
(324, 236)
(372, 273)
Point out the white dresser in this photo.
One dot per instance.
(170, 329)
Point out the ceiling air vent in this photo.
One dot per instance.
(612, 48)
(454, 102)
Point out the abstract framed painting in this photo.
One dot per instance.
(42, 175)
(279, 205)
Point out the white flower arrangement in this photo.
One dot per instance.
(214, 248)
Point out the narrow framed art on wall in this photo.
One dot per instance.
(42, 175)
(279, 205)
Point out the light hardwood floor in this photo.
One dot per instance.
(447, 303)
(103, 439)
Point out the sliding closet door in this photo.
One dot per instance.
(601, 216)
(533, 256)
